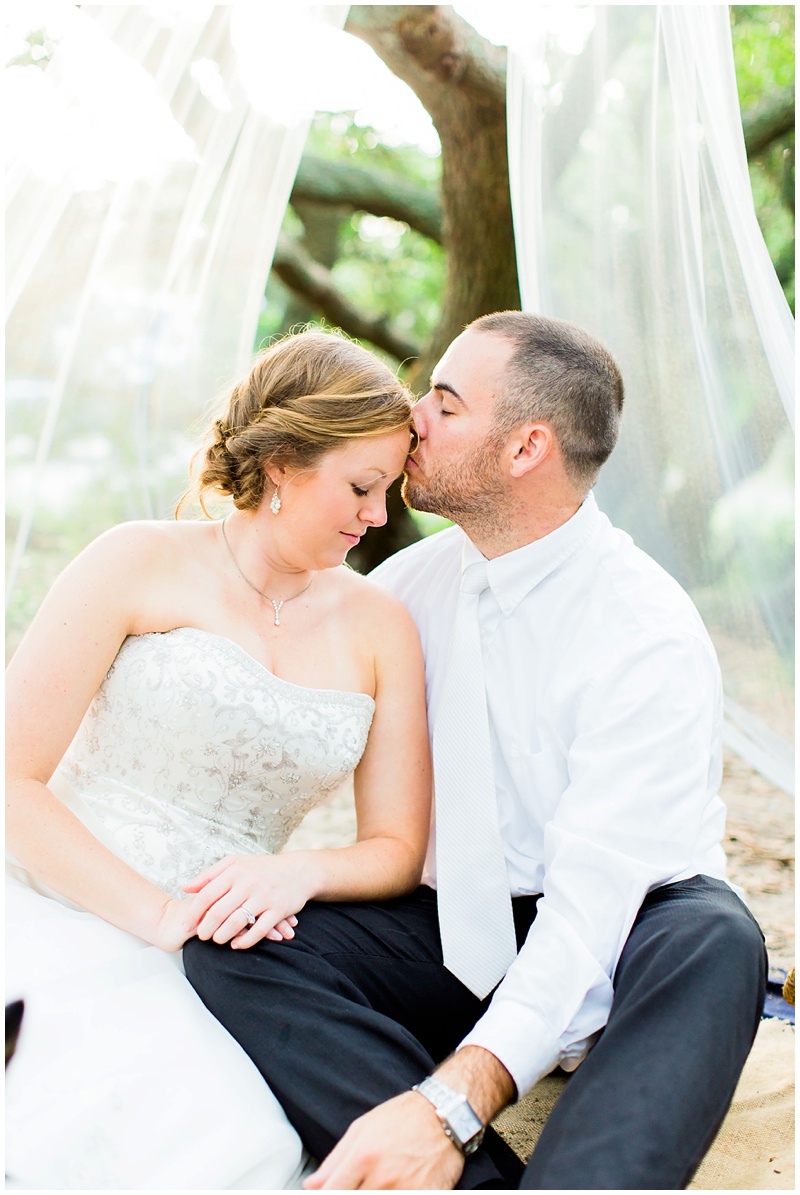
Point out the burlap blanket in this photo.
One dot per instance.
(754, 1149)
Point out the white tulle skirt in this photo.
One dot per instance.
(122, 1079)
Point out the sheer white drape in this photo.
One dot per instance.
(634, 217)
(143, 211)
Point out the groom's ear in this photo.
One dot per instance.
(530, 446)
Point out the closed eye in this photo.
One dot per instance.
(440, 389)
(359, 493)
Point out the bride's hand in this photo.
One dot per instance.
(171, 932)
(180, 917)
(271, 887)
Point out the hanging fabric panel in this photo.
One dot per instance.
(634, 218)
(142, 216)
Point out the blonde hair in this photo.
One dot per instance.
(305, 395)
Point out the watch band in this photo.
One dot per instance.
(458, 1118)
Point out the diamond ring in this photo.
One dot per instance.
(250, 918)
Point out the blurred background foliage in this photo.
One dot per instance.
(392, 270)
(376, 243)
(388, 268)
(763, 48)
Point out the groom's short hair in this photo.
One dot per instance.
(561, 375)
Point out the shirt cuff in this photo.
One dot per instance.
(519, 1039)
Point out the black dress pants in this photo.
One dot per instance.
(358, 1007)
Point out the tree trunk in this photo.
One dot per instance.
(461, 80)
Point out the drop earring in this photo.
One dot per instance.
(275, 502)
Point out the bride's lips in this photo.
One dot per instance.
(354, 539)
(410, 463)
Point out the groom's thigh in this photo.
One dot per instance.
(384, 956)
(387, 954)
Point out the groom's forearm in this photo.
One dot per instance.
(401, 1144)
(481, 1077)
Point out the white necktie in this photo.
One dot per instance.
(475, 917)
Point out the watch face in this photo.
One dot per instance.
(464, 1123)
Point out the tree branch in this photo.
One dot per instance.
(379, 192)
(768, 120)
(298, 270)
(430, 47)
(787, 179)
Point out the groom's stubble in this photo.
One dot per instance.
(469, 491)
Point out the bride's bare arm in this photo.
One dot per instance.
(51, 681)
(393, 795)
(393, 783)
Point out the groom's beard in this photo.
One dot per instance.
(467, 491)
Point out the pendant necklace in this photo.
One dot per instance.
(276, 606)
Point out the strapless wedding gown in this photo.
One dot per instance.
(122, 1079)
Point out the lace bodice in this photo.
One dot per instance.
(192, 750)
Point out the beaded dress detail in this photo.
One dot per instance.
(192, 750)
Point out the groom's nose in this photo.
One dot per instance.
(420, 414)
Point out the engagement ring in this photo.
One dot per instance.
(250, 918)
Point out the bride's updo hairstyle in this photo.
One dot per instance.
(305, 395)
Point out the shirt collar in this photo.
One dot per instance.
(513, 575)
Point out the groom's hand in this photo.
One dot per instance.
(398, 1146)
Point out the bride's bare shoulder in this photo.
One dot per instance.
(150, 539)
(129, 558)
(373, 606)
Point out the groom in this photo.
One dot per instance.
(574, 911)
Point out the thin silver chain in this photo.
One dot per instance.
(276, 606)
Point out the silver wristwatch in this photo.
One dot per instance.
(460, 1122)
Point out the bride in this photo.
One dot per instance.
(186, 694)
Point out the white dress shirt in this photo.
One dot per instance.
(605, 711)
